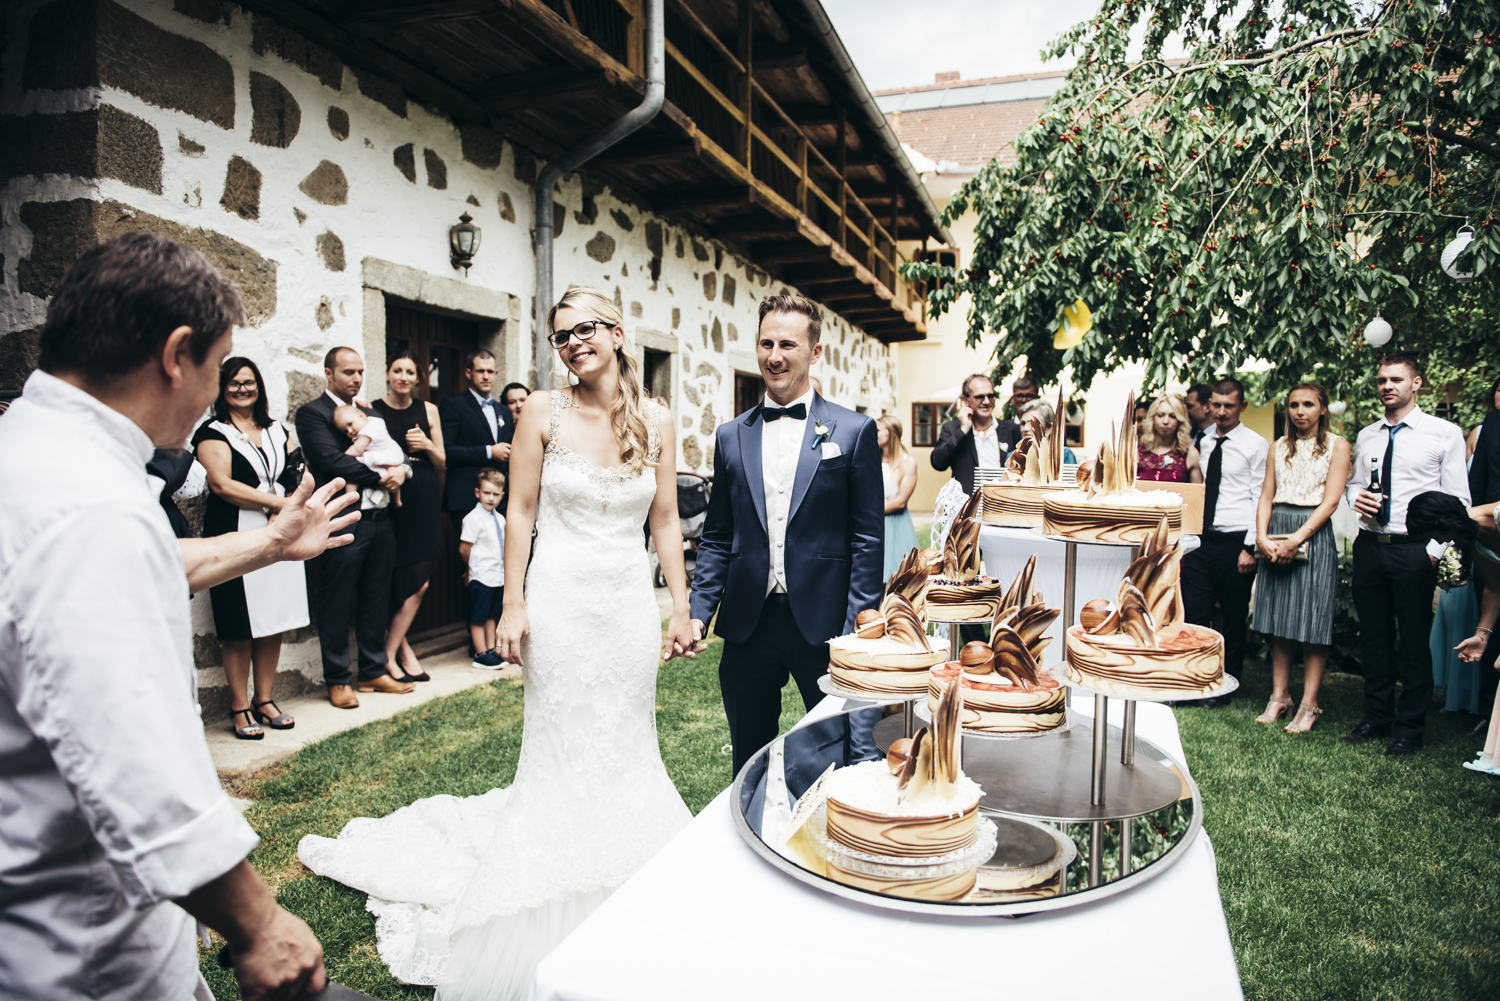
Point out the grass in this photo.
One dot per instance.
(1344, 874)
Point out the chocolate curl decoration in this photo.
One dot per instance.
(961, 551)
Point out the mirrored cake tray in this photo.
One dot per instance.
(1034, 866)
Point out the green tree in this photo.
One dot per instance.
(1302, 168)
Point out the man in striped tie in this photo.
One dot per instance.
(1405, 453)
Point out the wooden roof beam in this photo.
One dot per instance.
(532, 90)
(704, 200)
(650, 153)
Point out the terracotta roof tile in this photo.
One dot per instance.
(970, 135)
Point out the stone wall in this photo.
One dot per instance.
(323, 191)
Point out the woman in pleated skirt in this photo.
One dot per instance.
(1294, 587)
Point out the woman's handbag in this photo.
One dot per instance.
(291, 476)
(1300, 555)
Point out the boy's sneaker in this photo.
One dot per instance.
(489, 661)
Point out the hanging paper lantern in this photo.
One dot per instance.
(1337, 408)
(1378, 332)
(1473, 267)
(1077, 321)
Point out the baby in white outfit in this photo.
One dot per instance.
(373, 445)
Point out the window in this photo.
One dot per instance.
(947, 258)
(748, 391)
(657, 374)
(925, 418)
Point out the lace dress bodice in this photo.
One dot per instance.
(1301, 480)
(500, 878)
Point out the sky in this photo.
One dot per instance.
(903, 43)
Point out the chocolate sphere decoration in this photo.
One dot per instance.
(1099, 616)
(899, 751)
(869, 625)
(977, 658)
(866, 617)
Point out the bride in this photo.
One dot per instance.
(503, 877)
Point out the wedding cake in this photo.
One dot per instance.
(960, 594)
(1033, 471)
(887, 654)
(1004, 687)
(1139, 643)
(917, 804)
(911, 580)
(1109, 508)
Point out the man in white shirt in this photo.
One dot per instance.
(793, 541)
(1222, 569)
(1406, 453)
(976, 439)
(114, 831)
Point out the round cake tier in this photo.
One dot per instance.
(1015, 505)
(910, 837)
(880, 666)
(909, 883)
(1103, 521)
(1191, 662)
(990, 708)
(910, 683)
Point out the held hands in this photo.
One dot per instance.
(509, 631)
(500, 451)
(305, 524)
(1367, 502)
(682, 637)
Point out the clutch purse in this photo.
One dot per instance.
(1300, 554)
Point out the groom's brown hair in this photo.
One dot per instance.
(793, 304)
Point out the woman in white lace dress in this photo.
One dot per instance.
(505, 876)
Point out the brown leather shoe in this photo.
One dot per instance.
(387, 684)
(343, 697)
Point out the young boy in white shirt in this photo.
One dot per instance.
(482, 546)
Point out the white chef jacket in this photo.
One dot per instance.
(780, 447)
(1241, 476)
(109, 804)
(1429, 454)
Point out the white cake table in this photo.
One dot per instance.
(707, 918)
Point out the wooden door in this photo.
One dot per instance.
(749, 390)
(439, 344)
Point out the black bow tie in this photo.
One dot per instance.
(797, 412)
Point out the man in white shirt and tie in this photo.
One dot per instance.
(114, 830)
(1407, 452)
(1222, 569)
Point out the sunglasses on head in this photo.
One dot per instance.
(584, 332)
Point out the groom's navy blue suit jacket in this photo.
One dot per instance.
(835, 536)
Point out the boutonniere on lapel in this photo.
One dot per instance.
(821, 433)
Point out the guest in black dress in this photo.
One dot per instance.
(419, 533)
(244, 452)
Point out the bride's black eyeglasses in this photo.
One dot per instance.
(584, 332)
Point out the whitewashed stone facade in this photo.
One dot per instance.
(324, 191)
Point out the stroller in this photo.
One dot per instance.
(693, 491)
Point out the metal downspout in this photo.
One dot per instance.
(656, 91)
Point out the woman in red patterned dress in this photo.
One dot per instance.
(1165, 451)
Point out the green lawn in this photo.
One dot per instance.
(1345, 874)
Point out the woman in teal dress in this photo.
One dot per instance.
(898, 470)
(1475, 533)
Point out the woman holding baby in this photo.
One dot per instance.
(245, 453)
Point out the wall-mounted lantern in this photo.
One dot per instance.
(463, 242)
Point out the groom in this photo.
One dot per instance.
(793, 546)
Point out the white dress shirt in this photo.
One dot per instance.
(1429, 454)
(987, 444)
(1241, 476)
(484, 531)
(109, 804)
(780, 448)
(491, 410)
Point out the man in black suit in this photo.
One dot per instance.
(976, 439)
(1484, 488)
(477, 431)
(355, 579)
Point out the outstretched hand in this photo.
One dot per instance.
(304, 527)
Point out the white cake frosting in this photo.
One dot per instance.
(870, 786)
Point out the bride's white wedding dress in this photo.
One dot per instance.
(470, 894)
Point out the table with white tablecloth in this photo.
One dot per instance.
(708, 918)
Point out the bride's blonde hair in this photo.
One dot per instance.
(627, 415)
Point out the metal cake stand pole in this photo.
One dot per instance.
(1127, 758)
(909, 722)
(1070, 586)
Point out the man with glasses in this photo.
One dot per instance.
(1022, 391)
(477, 432)
(976, 439)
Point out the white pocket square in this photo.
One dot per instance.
(831, 450)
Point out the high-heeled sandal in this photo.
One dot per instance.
(251, 730)
(281, 721)
(1275, 708)
(1305, 714)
